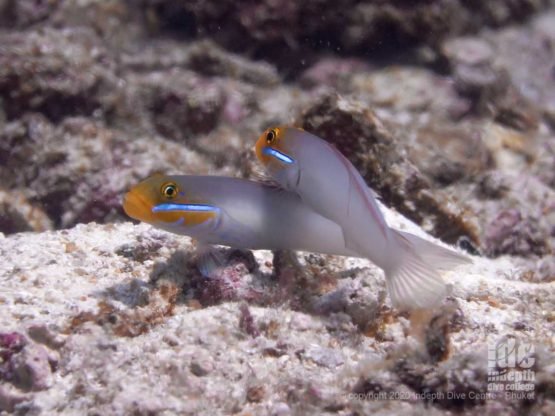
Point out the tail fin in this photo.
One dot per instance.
(436, 255)
(414, 281)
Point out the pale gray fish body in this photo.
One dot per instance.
(327, 182)
(258, 216)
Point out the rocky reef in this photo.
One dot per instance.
(447, 108)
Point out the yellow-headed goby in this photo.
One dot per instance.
(329, 184)
(233, 212)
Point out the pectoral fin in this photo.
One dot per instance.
(236, 233)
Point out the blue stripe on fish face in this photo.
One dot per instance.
(184, 207)
(282, 157)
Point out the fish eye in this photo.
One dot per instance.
(271, 136)
(169, 190)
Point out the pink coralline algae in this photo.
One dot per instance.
(229, 282)
(11, 343)
(27, 366)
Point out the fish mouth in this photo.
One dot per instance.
(276, 154)
(136, 207)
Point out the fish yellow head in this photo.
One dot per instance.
(272, 148)
(278, 149)
(164, 201)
